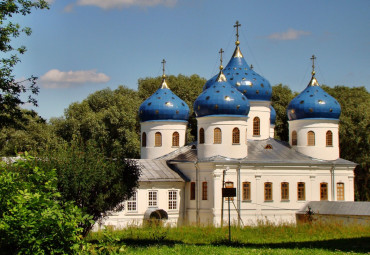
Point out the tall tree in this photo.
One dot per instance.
(10, 88)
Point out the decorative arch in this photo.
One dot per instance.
(256, 126)
(311, 138)
(217, 136)
(175, 139)
(236, 136)
(158, 139)
(329, 138)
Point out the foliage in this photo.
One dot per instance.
(281, 97)
(10, 88)
(32, 134)
(262, 239)
(109, 118)
(33, 219)
(95, 183)
(354, 133)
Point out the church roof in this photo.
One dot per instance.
(157, 171)
(267, 152)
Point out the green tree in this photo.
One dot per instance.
(95, 183)
(354, 133)
(281, 97)
(33, 219)
(10, 89)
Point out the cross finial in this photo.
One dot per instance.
(237, 25)
(251, 67)
(221, 51)
(163, 69)
(313, 64)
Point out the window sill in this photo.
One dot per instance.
(330, 146)
(268, 201)
(246, 201)
(236, 144)
(256, 135)
(285, 200)
(175, 146)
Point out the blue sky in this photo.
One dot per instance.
(81, 46)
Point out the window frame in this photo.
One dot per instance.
(204, 191)
(201, 136)
(340, 191)
(236, 136)
(175, 139)
(172, 200)
(294, 138)
(329, 138)
(311, 138)
(301, 191)
(246, 194)
(217, 136)
(256, 126)
(132, 203)
(323, 191)
(284, 191)
(143, 139)
(192, 190)
(268, 195)
(158, 139)
(153, 200)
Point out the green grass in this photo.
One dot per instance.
(263, 239)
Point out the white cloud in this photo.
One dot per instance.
(290, 34)
(58, 79)
(110, 4)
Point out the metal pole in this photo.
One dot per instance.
(229, 220)
(222, 199)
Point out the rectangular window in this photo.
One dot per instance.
(192, 191)
(323, 191)
(301, 192)
(340, 191)
(131, 203)
(172, 200)
(152, 198)
(268, 191)
(204, 191)
(246, 191)
(284, 191)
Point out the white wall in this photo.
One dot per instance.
(166, 128)
(262, 110)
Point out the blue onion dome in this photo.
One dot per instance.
(272, 115)
(163, 105)
(221, 98)
(245, 79)
(313, 103)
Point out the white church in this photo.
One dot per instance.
(182, 183)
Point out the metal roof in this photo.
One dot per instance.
(269, 151)
(158, 170)
(337, 208)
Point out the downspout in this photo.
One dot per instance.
(332, 183)
(196, 192)
(238, 194)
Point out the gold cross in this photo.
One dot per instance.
(163, 63)
(237, 25)
(313, 63)
(221, 51)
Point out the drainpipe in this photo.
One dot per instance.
(238, 194)
(332, 183)
(196, 192)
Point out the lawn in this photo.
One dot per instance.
(263, 239)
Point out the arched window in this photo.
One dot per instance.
(201, 136)
(311, 138)
(143, 140)
(175, 139)
(323, 191)
(294, 138)
(158, 139)
(236, 136)
(256, 126)
(329, 139)
(217, 136)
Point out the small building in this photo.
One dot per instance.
(335, 212)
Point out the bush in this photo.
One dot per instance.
(33, 218)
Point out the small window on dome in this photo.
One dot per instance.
(175, 139)
(158, 139)
(201, 135)
(329, 138)
(217, 136)
(236, 136)
(256, 126)
(143, 140)
(311, 138)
